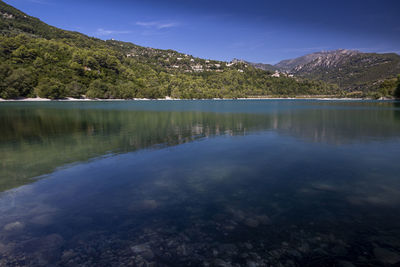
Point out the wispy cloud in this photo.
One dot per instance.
(103, 32)
(40, 2)
(303, 49)
(157, 24)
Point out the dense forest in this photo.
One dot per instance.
(40, 60)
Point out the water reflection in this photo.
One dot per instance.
(309, 185)
(37, 138)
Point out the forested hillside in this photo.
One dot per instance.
(40, 60)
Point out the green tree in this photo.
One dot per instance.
(92, 63)
(23, 54)
(98, 89)
(397, 91)
(75, 89)
(126, 90)
(19, 83)
(38, 63)
(50, 88)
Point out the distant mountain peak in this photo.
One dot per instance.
(338, 51)
(348, 68)
(262, 66)
(291, 64)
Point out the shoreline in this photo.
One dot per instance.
(70, 99)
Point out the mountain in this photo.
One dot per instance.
(290, 64)
(351, 70)
(261, 66)
(13, 22)
(37, 59)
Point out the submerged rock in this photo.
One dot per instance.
(294, 253)
(181, 250)
(3, 248)
(67, 255)
(221, 263)
(148, 254)
(345, 264)
(251, 222)
(304, 248)
(248, 246)
(238, 215)
(386, 256)
(144, 250)
(250, 263)
(150, 204)
(140, 248)
(49, 242)
(15, 226)
(264, 219)
(45, 250)
(43, 220)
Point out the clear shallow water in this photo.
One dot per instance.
(206, 183)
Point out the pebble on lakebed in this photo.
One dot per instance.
(14, 226)
(386, 256)
(257, 220)
(144, 250)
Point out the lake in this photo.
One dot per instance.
(200, 183)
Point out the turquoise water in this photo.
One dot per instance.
(200, 183)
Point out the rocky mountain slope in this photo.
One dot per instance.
(291, 64)
(349, 69)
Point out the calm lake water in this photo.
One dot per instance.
(200, 183)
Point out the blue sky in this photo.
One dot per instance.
(254, 30)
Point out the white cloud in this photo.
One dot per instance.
(157, 24)
(103, 32)
(40, 2)
(303, 49)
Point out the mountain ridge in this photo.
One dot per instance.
(41, 60)
(349, 69)
(289, 64)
